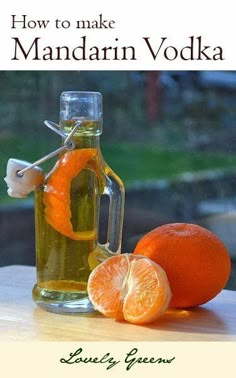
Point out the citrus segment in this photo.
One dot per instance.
(148, 293)
(56, 195)
(195, 260)
(129, 287)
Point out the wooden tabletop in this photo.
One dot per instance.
(22, 320)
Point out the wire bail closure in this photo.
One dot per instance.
(67, 144)
(23, 177)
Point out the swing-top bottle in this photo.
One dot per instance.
(67, 210)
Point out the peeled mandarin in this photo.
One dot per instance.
(129, 287)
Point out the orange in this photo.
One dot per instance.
(129, 287)
(56, 195)
(195, 260)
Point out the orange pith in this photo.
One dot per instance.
(56, 196)
(195, 260)
(129, 287)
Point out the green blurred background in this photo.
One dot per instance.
(156, 124)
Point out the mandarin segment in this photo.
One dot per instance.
(56, 196)
(195, 260)
(129, 287)
(149, 292)
(106, 283)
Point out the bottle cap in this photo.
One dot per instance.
(20, 185)
(85, 107)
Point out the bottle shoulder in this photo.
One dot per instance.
(107, 171)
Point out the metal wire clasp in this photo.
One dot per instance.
(67, 144)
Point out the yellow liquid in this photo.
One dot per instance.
(64, 264)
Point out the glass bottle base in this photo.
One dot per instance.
(62, 302)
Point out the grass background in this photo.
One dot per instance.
(132, 162)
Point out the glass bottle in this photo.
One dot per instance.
(67, 210)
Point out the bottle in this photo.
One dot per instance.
(67, 210)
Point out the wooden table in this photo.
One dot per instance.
(22, 320)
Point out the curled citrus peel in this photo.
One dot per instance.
(56, 196)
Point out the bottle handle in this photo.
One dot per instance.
(114, 189)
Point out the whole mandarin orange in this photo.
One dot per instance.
(195, 260)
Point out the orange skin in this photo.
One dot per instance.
(195, 260)
(56, 196)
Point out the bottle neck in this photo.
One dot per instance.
(91, 141)
(87, 135)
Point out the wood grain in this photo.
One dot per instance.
(22, 320)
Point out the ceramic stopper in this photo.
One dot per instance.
(20, 185)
